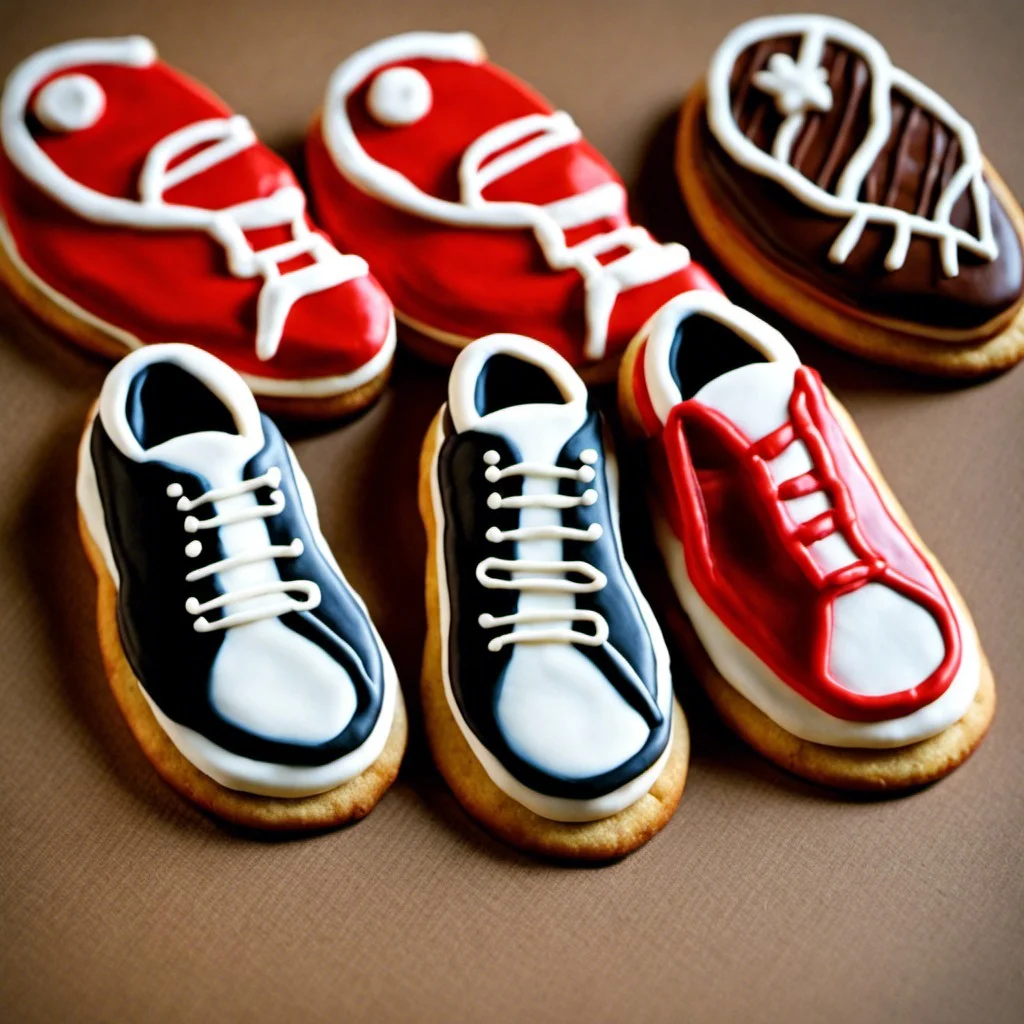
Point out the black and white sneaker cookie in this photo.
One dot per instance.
(547, 686)
(220, 599)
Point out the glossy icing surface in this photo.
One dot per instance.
(137, 198)
(488, 194)
(553, 665)
(855, 176)
(256, 656)
(782, 550)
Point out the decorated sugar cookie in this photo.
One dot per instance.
(246, 666)
(135, 208)
(855, 200)
(824, 631)
(480, 208)
(547, 689)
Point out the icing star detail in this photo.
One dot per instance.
(795, 88)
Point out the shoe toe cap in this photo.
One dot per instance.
(336, 333)
(882, 642)
(275, 684)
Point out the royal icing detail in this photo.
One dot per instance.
(269, 693)
(800, 88)
(796, 88)
(70, 103)
(558, 707)
(46, 96)
(891, 659)
(399, 96)
(498, 152)
(550, 576)
(192, 524)
(210, 142)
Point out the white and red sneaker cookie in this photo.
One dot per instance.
(136, 208)
(846, 649)
(480, 208)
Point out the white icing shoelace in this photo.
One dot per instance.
(551, 574)
(192, 524)
(515, 144)
(218, 140)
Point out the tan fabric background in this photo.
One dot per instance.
(764, 899)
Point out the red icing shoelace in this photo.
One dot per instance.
(841, 518)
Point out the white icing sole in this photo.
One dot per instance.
(270, 387)
(744, 671)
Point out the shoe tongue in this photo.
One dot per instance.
(754, 397)
(214, 455)
(538, 430)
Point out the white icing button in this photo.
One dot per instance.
(174, 490)
(70, 103)
(194, 548)
(399, 96)
(492, 458)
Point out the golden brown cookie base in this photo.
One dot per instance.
(995, 346)
(348, 802)
(843, 768)
(499, 813)
(94, 339)
(444, 353)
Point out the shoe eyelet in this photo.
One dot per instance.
(70, 103)
(399, 96)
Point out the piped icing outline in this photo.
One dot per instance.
(228, 768)
(517, 142)
(223, 138)
(461, 406)
(815, 31)
(736, 662)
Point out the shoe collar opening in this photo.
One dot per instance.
(558, 419)
(201, 451)
(660, 353)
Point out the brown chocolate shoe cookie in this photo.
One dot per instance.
(852, 198)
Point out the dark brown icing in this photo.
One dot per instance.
(917, 162)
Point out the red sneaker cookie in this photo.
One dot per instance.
(137, 209)
(807, 588)
(480, 208)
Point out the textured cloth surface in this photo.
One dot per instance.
(763, 899)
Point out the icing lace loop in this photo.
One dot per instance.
(221, 139)
(309, 591)
(543, 576)
(513, 145)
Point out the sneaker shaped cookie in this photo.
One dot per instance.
(853, 199)
(246, 666)
(480, 208)
(547, 691)
(824, 631)
(136, 208)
